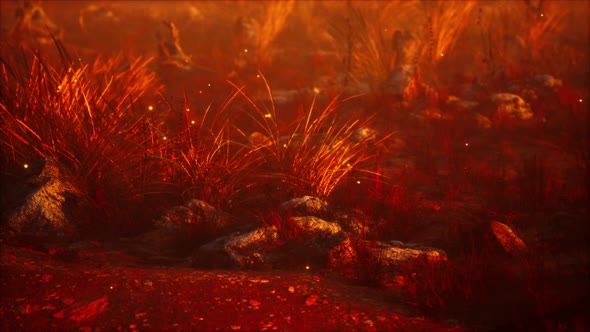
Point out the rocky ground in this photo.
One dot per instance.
(96, 285)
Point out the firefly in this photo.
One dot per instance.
(26, 166)
(164, 138)
(258, 76)
(209, 84)
(267, 115)
(466, 143)
(188, 109)
(307, 267)
(358, 181)
(580, 100)
(245, 50)
(193, 122)
(442, 54)
(150, 108)
(285, 145)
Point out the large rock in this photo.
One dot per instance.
(241, 250)
(388, 256)
(183, 228)
(504, 239)
(50, 204)
(311, 226)
(305, 206)
(194, 213)
(511, 106)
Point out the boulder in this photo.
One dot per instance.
(389, 256)
(194, 213)
(241, 250)
(311, 226)
(182, 228)
(511, 106)
(305, 206)
(49, 204)
(504, 239)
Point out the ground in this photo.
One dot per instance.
(107, 287)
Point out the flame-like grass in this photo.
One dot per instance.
(85, 118)
(214, 166)
(314, 154)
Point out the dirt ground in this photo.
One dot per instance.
(107, 287)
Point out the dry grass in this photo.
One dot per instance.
(214, 166)
(86, 118)
(363, 36)
(315, 153)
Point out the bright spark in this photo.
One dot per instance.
(150, 108)
(26, 165)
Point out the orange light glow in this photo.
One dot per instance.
(150, 108)
(26, 165)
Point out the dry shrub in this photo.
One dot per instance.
(85, 118)
(363, 37)
(214, 166)
(313, 155)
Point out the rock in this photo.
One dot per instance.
(511, 106)
(194, 212)
(352, 222)
(548, 81)
(306, 205)
(456, 103)
(182, 228)
(504, 239)
(242, 250)
(389, 256)
(50, 203)
(315, 227)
